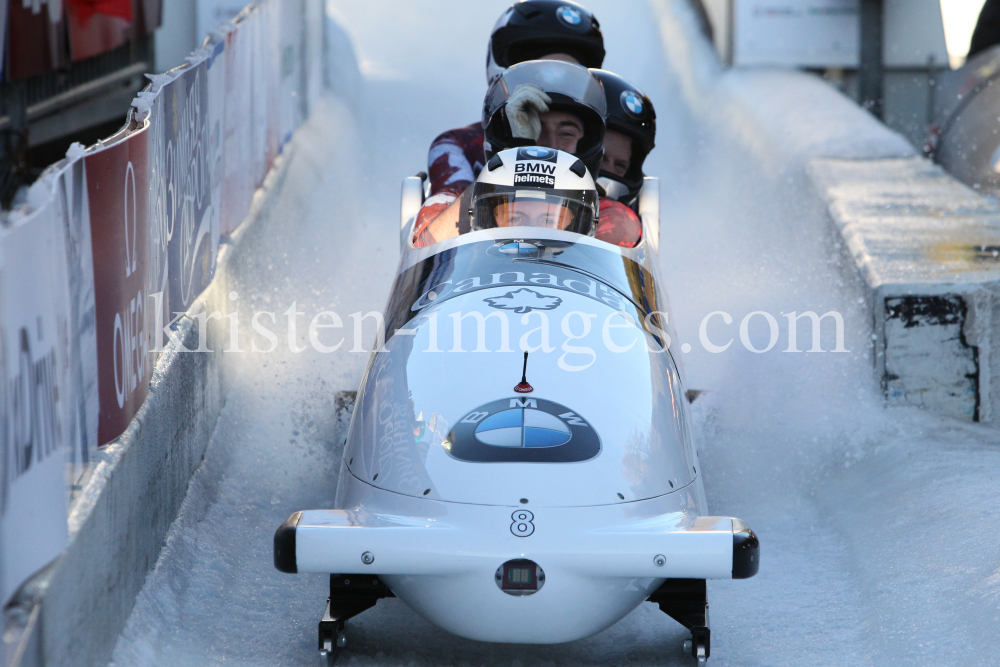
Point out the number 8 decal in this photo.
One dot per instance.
(522, 525)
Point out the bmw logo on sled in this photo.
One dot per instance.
(519, 466)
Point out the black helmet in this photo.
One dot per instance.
(630, 112)
(531, 29)
(572, 88)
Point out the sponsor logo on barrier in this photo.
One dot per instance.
(33, 406)
(192, 177)
(119, 219)
(162, 199)
(130, 347)
(36, 397)
(33, 430)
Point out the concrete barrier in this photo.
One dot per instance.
(73, 611)
(925, 245)
(928, 248)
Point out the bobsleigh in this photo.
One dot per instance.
(519, 465)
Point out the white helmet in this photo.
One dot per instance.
(535, 187)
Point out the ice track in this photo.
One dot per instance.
(878, 527)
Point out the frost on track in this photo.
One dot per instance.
(877, 526)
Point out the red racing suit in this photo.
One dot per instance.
(617, 224)
(455, 159)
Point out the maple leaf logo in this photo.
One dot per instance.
(524, 301)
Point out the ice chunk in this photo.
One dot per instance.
(75, 151)
(143, 104)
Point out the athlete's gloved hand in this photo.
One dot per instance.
(523, 107)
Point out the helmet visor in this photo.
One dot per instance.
(506, 206)
(553, 76)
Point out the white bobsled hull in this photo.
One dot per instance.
(599, 562)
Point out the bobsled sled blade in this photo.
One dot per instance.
(746, 551)
(284, 545)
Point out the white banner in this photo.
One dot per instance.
(313, 58)
(73, 209)
(291, 85)
(37, 398)
(237, 149)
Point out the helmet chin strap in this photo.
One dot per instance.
(612, 188)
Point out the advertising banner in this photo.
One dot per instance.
(118, 193)
(72, 208)
(113, 231)
(313, 58)
(34, 397)
(264, 141)
(192, 127)
(290, 93)
(238, 181)
(162, 204)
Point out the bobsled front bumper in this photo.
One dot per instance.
(599, 563)
(333, 541)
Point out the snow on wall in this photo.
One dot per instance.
(928, 248)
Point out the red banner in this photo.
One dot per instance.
(118, 190)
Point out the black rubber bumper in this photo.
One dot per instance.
(284, 545)
(746, 554)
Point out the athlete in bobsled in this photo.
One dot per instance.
(540, 490)
(630, 135)
(548, 103)
(527, 30)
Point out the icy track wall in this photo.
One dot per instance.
(926, 247)
(103, 275)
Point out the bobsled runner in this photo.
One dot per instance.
(519, 466)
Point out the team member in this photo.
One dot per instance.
(630, 135)
(557, 194)
(528, 30)
(552, 104)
